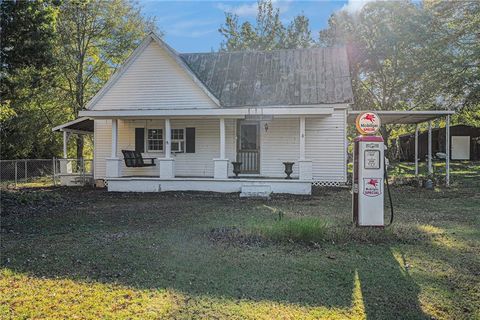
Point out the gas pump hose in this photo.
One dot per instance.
(389, 196)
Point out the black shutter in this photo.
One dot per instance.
(190, 140)
(140, 140)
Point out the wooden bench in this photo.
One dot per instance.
(134, 159)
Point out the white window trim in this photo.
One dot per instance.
(146, 140)
(180, 141)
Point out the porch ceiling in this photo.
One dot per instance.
(403, 117)
(81, 125)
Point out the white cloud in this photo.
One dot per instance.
(354, 6)
(248, 10)
(243, 10)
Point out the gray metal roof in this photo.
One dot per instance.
(79, 125)
(403, 117)
(279, 77)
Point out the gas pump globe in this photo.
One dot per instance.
(368, 172)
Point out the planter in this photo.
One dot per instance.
(236, 168)
(288, 169)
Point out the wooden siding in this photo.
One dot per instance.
(325, 146)
(279, 144)
(200, 163)
(153, 80)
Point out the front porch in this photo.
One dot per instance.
(260, 144)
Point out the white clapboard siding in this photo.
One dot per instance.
(154, 80)
(325, 146)
(200, 163)
(279, 143)
(102, 137)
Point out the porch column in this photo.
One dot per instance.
(304, 166)
(114, 164)
(430, 168)
(221, 164)
(167, 164)
(65, 165)
(416, 150)
(447, 147)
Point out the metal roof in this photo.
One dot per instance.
(81, 125)
(277, 77)
(402, 117)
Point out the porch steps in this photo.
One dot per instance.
(255, 190)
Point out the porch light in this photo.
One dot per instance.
(266, 126)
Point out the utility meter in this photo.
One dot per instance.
(368, 172)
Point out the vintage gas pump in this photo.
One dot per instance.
(368, 172)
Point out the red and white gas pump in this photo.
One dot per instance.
(368, 172)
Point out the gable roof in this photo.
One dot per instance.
(169, 50)
(279, 77)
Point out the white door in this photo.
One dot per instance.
(460, 147)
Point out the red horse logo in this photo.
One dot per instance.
(373, 182)
(370, 117)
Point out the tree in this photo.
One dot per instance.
(268, 33)
(384, 42)
(27, 59)
(453, 55)
(94, 37)
(298, 33)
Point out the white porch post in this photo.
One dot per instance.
(430, 169)
(65, 140)
(65, 165)
(304, 166)
(221, 164)
(416, 150)
(114, 165)
(167, 164)
(447, 147)
(222, 138)
(168, 139)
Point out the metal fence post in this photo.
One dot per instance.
(53, 171)
(25, 170)
(16, 171)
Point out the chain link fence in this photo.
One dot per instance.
(44, 172)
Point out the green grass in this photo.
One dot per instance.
(89, 254)
(302, 230)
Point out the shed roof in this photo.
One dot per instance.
(278, 77)
(403, 117)
(82, 125)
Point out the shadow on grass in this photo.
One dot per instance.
(182, 259)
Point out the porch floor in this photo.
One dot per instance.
(230, 185)
(240, 177)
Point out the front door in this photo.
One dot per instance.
(248, 147)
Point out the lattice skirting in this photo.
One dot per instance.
(329, 184)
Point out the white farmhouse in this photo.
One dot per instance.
(223, 121)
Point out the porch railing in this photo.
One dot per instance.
(250, 161)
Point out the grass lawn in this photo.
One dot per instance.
(87, 254)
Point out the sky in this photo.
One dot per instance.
(192, 26)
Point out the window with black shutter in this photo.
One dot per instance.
(190, 140)
(140, 140)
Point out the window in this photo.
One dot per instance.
(154, 140)
(178, 140)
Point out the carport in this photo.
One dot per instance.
(416, 117)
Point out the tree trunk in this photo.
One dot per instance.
(79, 146)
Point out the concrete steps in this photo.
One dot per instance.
(255, 191)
